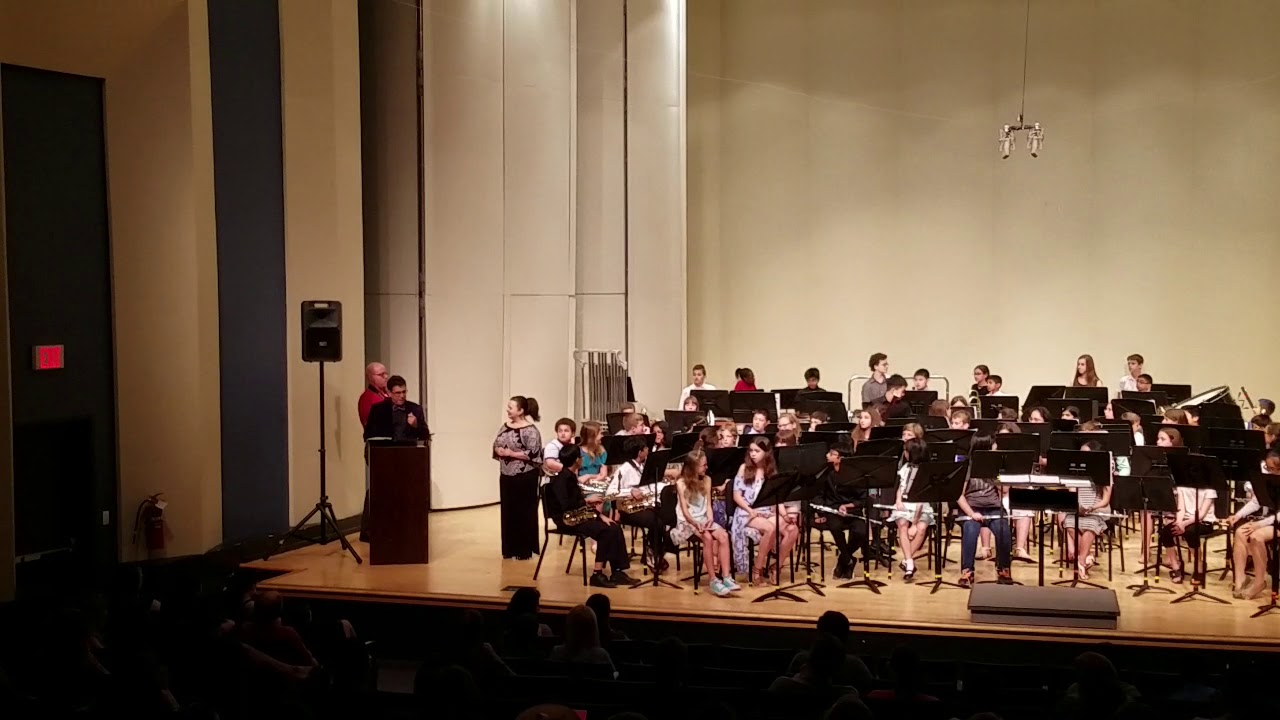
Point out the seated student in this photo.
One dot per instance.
(1194, 518)
(994, 385)
(848, 531)
(759, 423)
(1175, 416)
(1008, 414)
(939, 408)
(699, 383)
(1193, 415)
(691, 404)
(912, 431)
(565, 429)
(811, 377)
(912, 519)
(894, 406)
(817, 418)
(1266, 407)
(920, 381)
(1038, 414)
(863, 422)
(1071, 412)
(982, 503)
(958, 402)
(633, 424)
(1130, 379)
(1021, 518)
(960, 418)
(1086, 522)
(746, 380)
(1270, 433)
(1259, 422)
(1135, 421)
(1251, 535)
(1144, 383)
(566, 496)
(696, 520)
(626, 482)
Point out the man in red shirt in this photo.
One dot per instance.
(375, 391)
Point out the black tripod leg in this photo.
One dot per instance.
(296, 531)
(331, 519)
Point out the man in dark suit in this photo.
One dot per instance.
(396, 418)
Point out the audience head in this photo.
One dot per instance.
(519, 407)
(835, 624)
(581, 630)
(600, 605)
(524, 600)
(671, 662)
(848, 707)
(268, 608)
(904, 663)
(826, 657)
(472, 627)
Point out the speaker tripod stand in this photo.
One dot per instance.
(328, 520)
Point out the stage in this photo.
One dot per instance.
(466, 570)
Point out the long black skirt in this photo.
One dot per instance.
(518, 496)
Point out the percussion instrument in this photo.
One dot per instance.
(1219, 394)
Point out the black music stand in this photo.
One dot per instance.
(1239, 466)
(1139, 493)
(1267, 490)
(807, 461)
(888, 446)
(1137, 406)
(653, 474)
(989, 406)
(943, 482)
(1084, 465)
(1158, 399)
(682, 420)
(1042, 499)
(776, 490)
(1198, 472)
(1014, 442)
(867, 473)
(1152, 461)
(1218, 437)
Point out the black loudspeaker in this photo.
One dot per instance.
(321, 331)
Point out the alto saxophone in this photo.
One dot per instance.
(630, 504)
(577, 516)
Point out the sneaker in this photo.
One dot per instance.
(599, 580)
(621, 578)
(731, 585)
(718, 589)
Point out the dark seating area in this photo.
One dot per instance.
(196, 641)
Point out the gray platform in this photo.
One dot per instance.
(1044, 606)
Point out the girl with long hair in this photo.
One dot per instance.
(1086, 374)
(694, 520)
(757, 524)
(595, 458)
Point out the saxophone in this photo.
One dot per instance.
(577, 516)
(594, 487)
(628, 504)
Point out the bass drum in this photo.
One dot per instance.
(1220, 394)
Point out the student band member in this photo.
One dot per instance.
(994, 385)
(1252, 536)
(979, 387)
(690, 404)
(848, 532)
(811, 378)
(982, 503)
(1130, 380)
(920, 381)
(611, 548)
(1086, 374)
(699, 383)
(595, 459)
(894, 404)
(1144, 383)
(746, 380)
(1194, 518)
(758, 524)
(694, 520)
(912, 431)
(565, 429)
(912, 519)
(626, 483)
(817, 418)
(1038, 414)
(1021, 518)
(874, 389)
(1086, 524)
(759, 423)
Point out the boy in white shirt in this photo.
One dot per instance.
(699, 383)
(1130, 382)
(626, 482)
(565, 430)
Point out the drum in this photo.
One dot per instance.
(1221, 394)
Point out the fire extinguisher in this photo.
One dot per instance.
(149, 523)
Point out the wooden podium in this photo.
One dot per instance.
(399, 502)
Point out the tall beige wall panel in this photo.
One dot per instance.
(324, 247)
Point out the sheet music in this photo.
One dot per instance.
(1016, 479)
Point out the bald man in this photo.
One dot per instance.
(375, 379)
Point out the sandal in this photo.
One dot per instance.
(1176, 575)
(966, 579)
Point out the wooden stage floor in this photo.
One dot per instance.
(467, 571)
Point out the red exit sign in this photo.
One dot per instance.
(47, 357)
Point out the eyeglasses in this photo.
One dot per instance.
(401, 391)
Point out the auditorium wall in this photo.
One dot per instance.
(526, 193)
(846, 195)
(153, 55)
